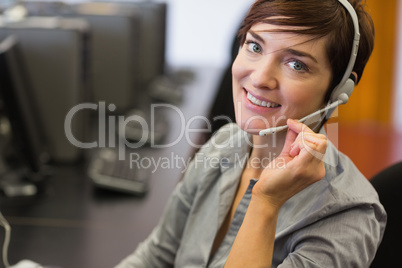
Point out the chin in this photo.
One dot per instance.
(253, 129)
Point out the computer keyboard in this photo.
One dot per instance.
(106, 170)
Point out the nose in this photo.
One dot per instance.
(265, 73)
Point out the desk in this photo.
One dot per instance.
(75, 225)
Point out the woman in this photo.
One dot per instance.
(289, 199)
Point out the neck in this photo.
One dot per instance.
(267, 148)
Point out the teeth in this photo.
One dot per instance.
(255, 101)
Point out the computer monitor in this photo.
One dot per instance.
(128, 43)
(152, 42)
(55, 55)
(19, 105)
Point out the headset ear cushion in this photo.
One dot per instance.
(347, 89)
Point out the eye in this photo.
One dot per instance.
(253, 47)
(298, 65)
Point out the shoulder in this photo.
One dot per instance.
(348, 185)
(330, 216)
(220, 154)
(229, 139)
(343, 191)
(228, 132)
(351, 190)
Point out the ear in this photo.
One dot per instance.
(356, 76)
(343, 92)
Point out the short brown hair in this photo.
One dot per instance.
(319, 18)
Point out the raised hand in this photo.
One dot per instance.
(299, 165)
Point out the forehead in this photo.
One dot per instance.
(281, 37)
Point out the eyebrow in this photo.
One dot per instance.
(288, 50)
(256, 36)
(300, 54)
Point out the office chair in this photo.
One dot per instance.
(388, 184)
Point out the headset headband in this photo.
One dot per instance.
(356, 39)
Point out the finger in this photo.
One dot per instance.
(289, 141)
(317, 142)
(315, 145)
(295, 148)
(309, 140)
(298, 127)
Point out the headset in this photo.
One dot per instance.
(341, 93)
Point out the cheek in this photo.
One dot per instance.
(306, 99)
(236, 77)
(239, 71)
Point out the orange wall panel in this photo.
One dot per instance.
(371, 99)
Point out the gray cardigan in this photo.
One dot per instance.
(336, 222)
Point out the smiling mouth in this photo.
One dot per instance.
(261, 103)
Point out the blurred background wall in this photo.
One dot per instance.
(373, 99)
(200, 33)
(369, 126)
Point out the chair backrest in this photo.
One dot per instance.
(388, 184)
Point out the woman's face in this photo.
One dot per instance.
(277, 76)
